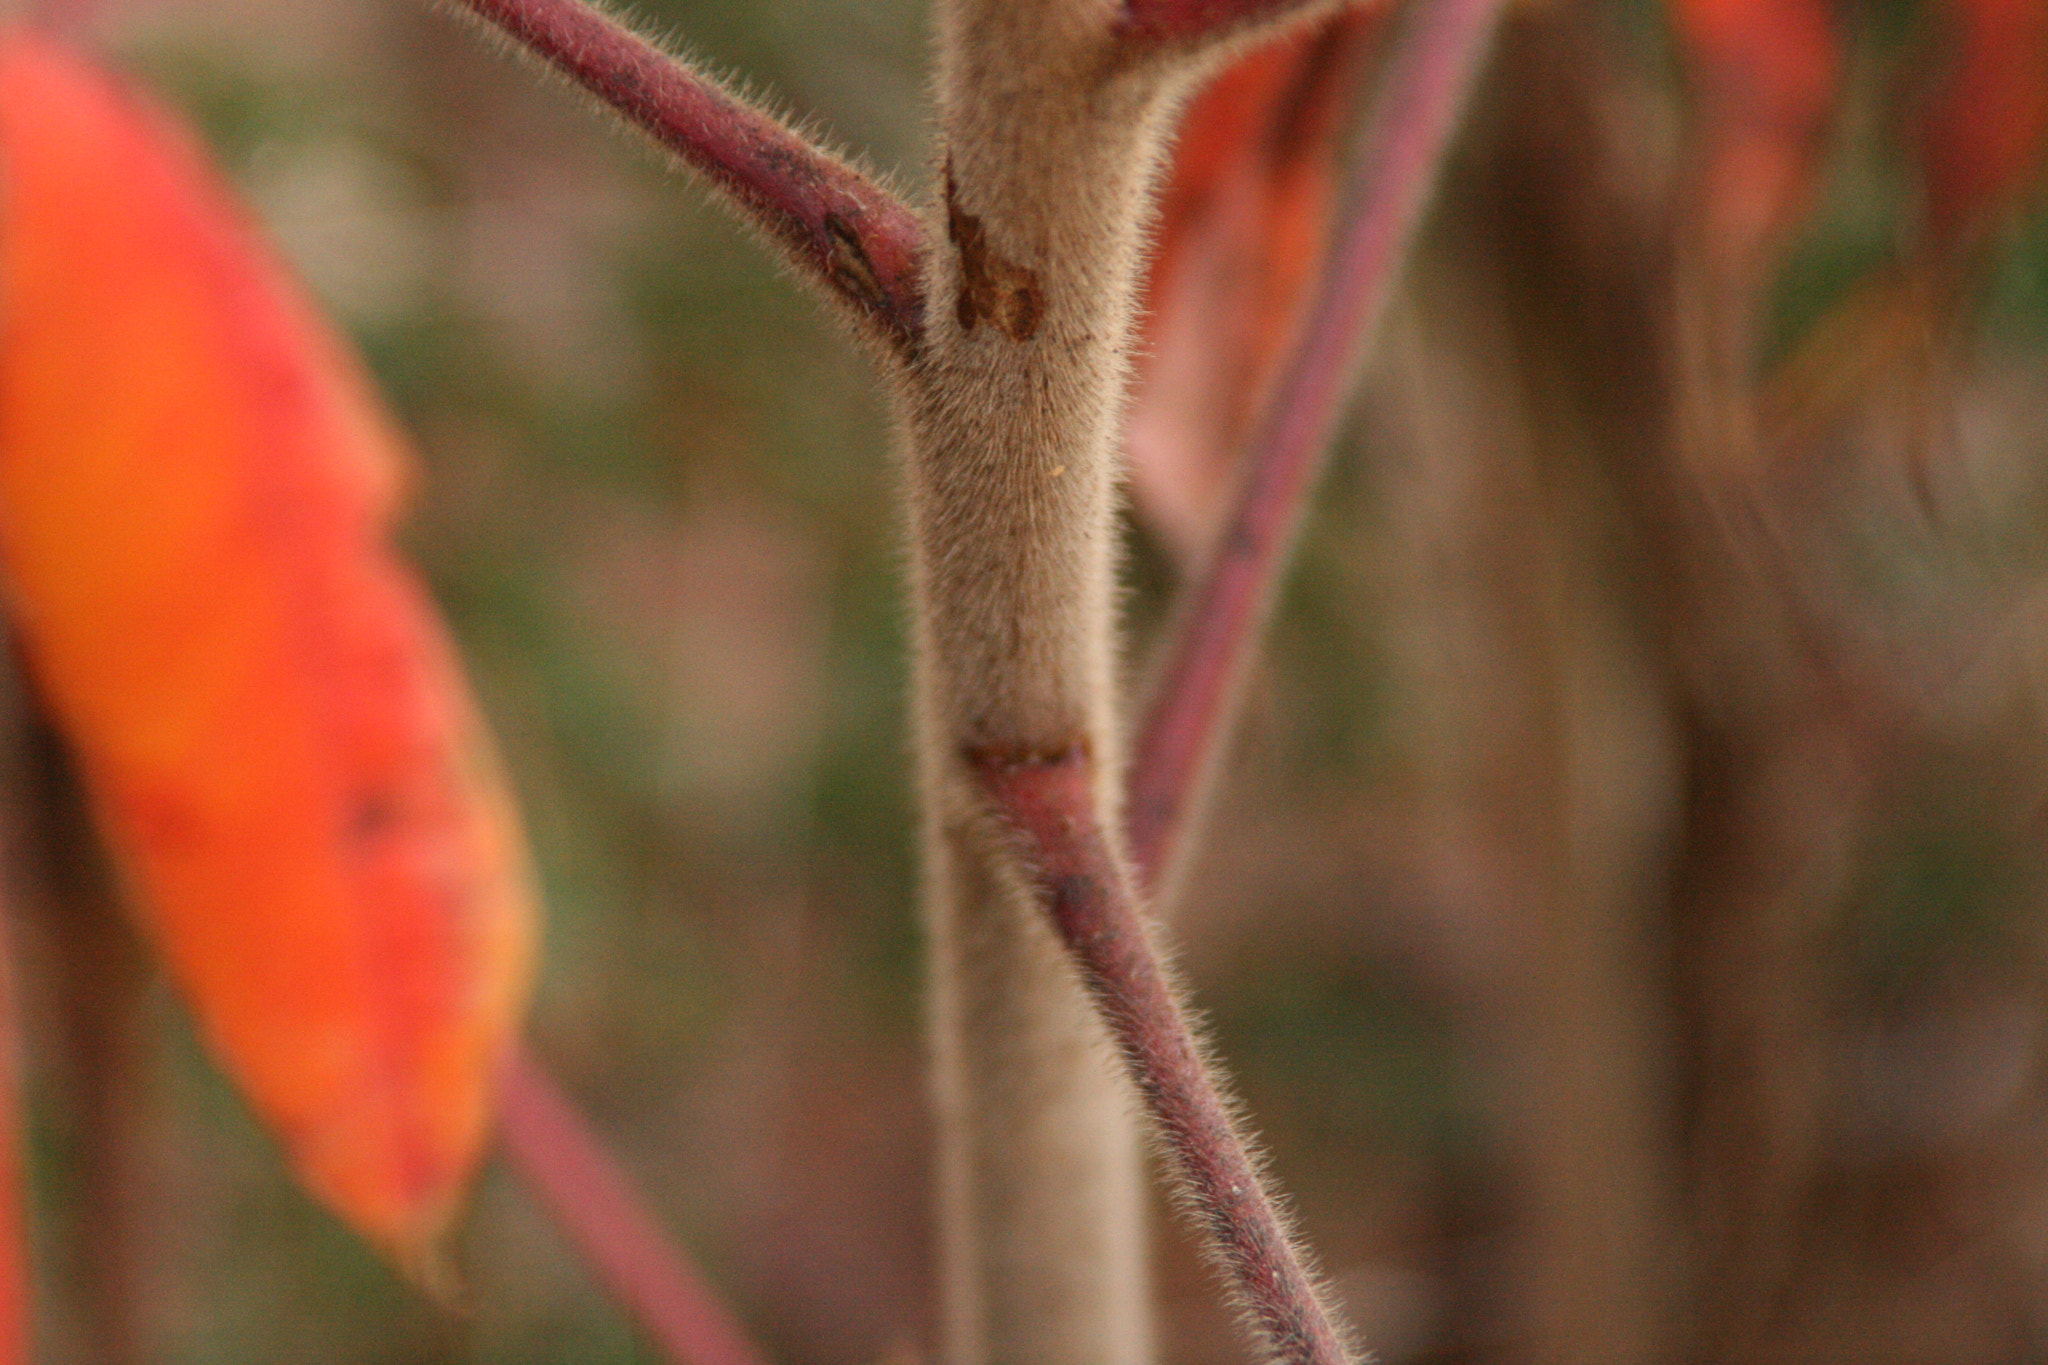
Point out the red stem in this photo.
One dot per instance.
(1421, 96)
(847, 232)
(1049, 801)
(590, 1199)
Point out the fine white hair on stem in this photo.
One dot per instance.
(1006, 319)
(1051, 131)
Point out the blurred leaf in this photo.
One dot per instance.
(1892, 342)
(1764, 77)
(1987, 131)
(1244, 226)
(195, 485)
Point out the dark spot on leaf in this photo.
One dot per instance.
(372, 815)
(163, 819)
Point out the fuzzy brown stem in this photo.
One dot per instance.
(1416, 114)
(1146, 24)
(591, 1201)
(1049, 801)
(1009, 414)
(843, 231)
(1052, 135)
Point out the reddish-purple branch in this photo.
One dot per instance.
(1420, 98)
(846, 231)
(1049, 801)
(565, 1164)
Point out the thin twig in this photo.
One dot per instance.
(1417, 112)
(590, 1199)
(1049, 801)
(846, 232)
(101, 981)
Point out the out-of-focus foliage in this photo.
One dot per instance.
(658, 685)
(1244, 227)
(194, 492)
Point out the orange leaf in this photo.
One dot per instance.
(195, 485)
(1244, 226)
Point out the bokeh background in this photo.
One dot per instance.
(1623, 911)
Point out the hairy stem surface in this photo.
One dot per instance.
(1010, 417)
(1051, 137)
(1051, 118)
(1047, 800)
(1154, 23)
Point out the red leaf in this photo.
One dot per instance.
(1764, 77)
(194, 490)
(1986, 135)
(1245, 223)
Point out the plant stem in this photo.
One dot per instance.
(1049, 801)
(564, 1162)
(1052, 131)
(1051, 116)
(1009, 417)
(841, 229)
(1422, 95)
(1182, 23)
